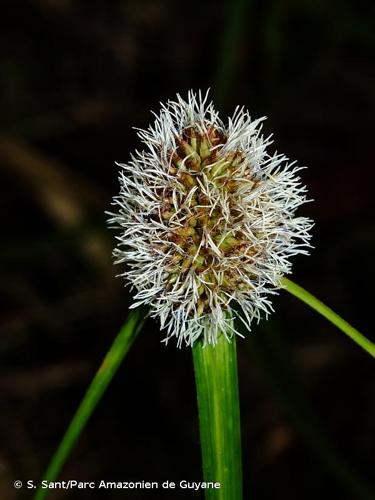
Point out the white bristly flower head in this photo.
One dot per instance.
(207, 220)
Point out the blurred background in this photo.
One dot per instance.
(75, 78)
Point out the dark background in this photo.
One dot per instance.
(75, 78)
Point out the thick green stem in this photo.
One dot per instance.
(216, 379)
(334, 318)
(100, 382)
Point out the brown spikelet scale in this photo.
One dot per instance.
(198, 159)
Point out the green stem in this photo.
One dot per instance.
(334, 318)
(215, 370)
(103, 377)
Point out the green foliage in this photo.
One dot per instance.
(334, 318)
(103, 377)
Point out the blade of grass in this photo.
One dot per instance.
(327, 312)
(215, 369)
(99, 384)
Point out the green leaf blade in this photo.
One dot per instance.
(329, 314)
(99, 384)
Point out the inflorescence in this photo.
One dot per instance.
(207, 220)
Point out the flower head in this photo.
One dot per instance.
(207, 220)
